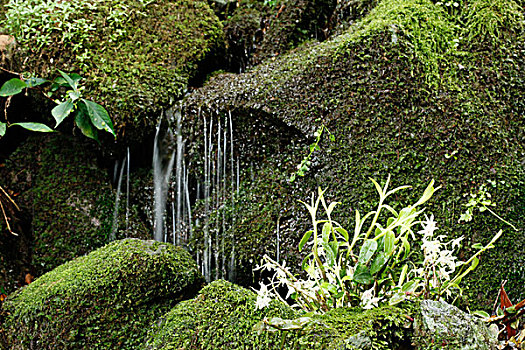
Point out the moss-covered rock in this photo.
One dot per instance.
(223, 316)
(135, 55)
(66, 198)
(403, 93)
(103, 300)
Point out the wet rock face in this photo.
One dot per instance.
(103, 300)
(450, 328)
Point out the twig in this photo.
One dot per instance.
(8, 197)
(10, 72)
(7, 221)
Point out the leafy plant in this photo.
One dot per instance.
(89, 116)
(303, 167)
(481, 201)
(376, 264)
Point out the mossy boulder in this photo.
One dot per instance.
(401, 92)
(224, 315)
(103, 300)
(65, 199)
(136, 56)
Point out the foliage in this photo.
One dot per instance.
(305, 163)
(89, 116)
(135, 55)
(103, 300)
(384, 270)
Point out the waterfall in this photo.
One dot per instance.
(163, 159)
(216, 186)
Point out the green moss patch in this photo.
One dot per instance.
(223, 316)
(136, 55)
(103, 300)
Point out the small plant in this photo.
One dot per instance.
(89, 116)
(303, 167)
(481, 201)
(374, 265)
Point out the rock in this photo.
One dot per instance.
(449, 327)
(223, 316)
(7, 46)
(66, 199)
(103, 300)
(383, 91)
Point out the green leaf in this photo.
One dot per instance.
(12, 87)
(32, 82)
(362, 275)
(377, 264)
(409, 286)
(429, 191)
(305, 239)
(99, 116)
(3, 127)
(477, 246)
(378, 188)
(34, 127)
(327, 229)
(61, 111)
(389, 242)
(367, 250)
(69, 80)
(481, 314)
(84, 124)
(343, 233)
(406, 246)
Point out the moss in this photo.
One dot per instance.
(373, 88)
(136, 56)
(223, 316)
(102, 300)
(67, 198)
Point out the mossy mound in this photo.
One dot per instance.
(103, 300)
(136, 56)
(403, 93)
(66, 197)
(223, 316)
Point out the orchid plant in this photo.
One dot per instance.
(375, 265)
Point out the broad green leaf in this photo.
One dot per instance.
(32, 82)
(3, 127)
(61, 111)
(329, 287)
(402, 275)
(379, 261)
(34, 127)
(406, 246)
(305, 239)
(343, 233)
(84, 124)
(12, 87)
(409, 286)
(396, 298)
(389, 242)
(99, 116)
(367, 250)
(327, 229)
(429, 191)
(69, 80)
(477, 246)
(74, 95)
(362, 275)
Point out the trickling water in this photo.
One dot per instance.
(127, 194)
(114, 226)
(178, 179)
(163, 158)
